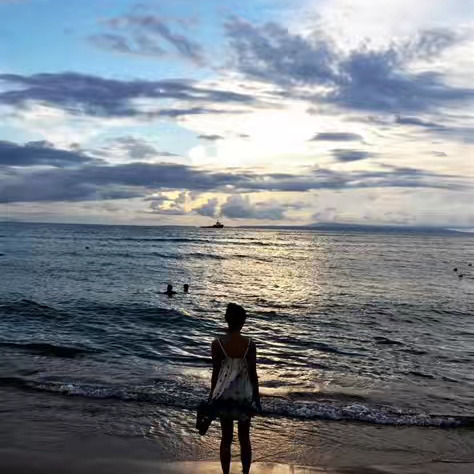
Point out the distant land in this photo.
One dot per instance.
(323, 226)
(342, 227)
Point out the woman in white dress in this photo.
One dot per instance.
(234, 386)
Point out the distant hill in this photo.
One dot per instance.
(343, 227)
(377, 228)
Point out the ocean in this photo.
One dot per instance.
(372, 329)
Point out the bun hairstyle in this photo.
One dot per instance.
(235, 316)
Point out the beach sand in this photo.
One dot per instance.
(34, 463)
(15, 462)
(46, 434)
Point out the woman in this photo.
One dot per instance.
(234, 386)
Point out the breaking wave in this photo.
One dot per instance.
(166, 395)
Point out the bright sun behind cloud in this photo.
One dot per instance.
(257, 113)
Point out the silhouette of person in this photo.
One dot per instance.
(169, 291)
(234, 386)
(186, 288)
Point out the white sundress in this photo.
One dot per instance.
(233, 392)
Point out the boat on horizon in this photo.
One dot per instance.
(217, 225)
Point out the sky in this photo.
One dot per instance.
(261, 112)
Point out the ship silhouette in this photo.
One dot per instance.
(217, 225)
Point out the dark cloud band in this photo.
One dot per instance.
(96, 96)
(365, 79)
(41, 153)
(99, 181)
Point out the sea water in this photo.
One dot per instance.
(349, 325)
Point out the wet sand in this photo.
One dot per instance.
(43, 434)
(16, 462)
(34, 463)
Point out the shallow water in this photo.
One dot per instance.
(372, 327)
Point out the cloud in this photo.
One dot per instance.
(417, 122)
(140, 149)
(210, 137)
(173, 113)
(120, 44)
(379, 81)
(430, 43)
(363, 79)
(272, 54)
(240, 207)
(336, 137)
(82, 94)
(328, 214)
(346, 155)
(162, 204)
(146, 35)
(447, 130)
(109, 182)
(98, 181)
(41, 153)
(209, 208)
(321, 178)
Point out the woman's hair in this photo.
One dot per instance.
(235, 316)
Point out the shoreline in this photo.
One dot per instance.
(40, 433)
(35, 463)
(21, 462)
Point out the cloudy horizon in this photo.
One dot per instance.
(256, 113)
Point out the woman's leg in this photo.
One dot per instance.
(227, 426)
(245, 446)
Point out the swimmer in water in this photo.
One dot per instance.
(186, 288)
(169, 291)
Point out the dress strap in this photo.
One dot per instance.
(222, 347)
(248, 346)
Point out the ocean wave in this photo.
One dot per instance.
(417, 373)
(168, 395)
(205, 255)
(414, 351)
(387, 341)
(131, 314)
(251, 257)
(219, 240)
(137, 314)
(46, 349)
(183, 240)
(134, 254)
(322, 347)
(362, 412)
(171, 256)
(182, 256)
(26, 307)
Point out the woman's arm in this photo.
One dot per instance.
(216, 364)
(252, 368)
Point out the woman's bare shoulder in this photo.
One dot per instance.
(217, 341)
(250, 342)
